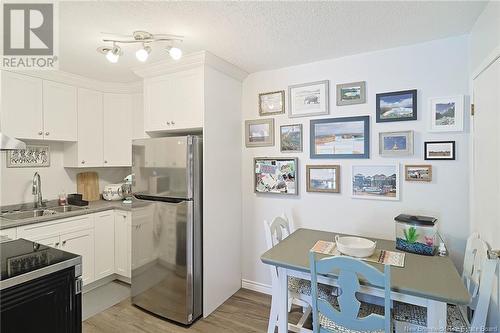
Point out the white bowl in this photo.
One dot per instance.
(355, 246)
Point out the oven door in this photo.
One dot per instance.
(50, 303)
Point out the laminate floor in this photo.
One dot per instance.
(245, 312)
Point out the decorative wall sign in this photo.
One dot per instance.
(276, 175)
(308, 99)
(32, 156)
(272, 103)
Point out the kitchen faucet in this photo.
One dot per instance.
(36, 190)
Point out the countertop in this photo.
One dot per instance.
(431, 277)
(93, 207)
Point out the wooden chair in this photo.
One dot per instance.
(478, 276)
(348, 314)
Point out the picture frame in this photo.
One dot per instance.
(259, 133)
(418, 173)
(341, 138)
(396, 106)
(375, 182)
(351, 93)
(272, 103)
(447, 113)
(276, 175)
(291, 138)
(34, 156)
(439, 150)
(393, 144)
(323, 178)
(308, 99)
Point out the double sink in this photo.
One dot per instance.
(32, 213)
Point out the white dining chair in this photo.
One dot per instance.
(299, 291)
(478, 275)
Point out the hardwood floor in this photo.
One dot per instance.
(246, 311)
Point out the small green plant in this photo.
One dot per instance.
(411, 235)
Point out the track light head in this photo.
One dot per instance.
(143, 53)
(174, 52)
(112, 53)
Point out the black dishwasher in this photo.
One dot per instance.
(40, 289)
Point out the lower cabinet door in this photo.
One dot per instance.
(104, 228)
(53, 241)
(81, 243)
(123, 250)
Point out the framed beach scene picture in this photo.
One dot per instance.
(397, 106)
(379, 182)
(396, 143)
(347, 137)
(259, 133)
(272, 103)
(291, 138)
(323, 178)
(418, 173)
(447, 114)
(351, 93)
(439, 150)
(308, 99)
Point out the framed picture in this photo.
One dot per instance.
(308, 99)
(259, 133)
(272, 103)
(418, 173)
(380, 182)
(447, 114)
(276, 175)
(323, 178)
(439, 150)
(351, 93)
(291, 138)
(396, 143)
(340, 137)
(32, 157)
(397, 106)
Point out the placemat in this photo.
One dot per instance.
(392, 258)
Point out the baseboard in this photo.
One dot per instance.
(256, 286)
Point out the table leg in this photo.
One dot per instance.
(436, 316)
(283, 301)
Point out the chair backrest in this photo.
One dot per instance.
(349, 270)
(279, 229)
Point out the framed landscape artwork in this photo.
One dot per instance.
(379, 182)
(259, 133)
(272, 103)
(397, 106)
(447, 114)
(340, 137)
(291, 138)
(276, 175)
(418, 173)
(439, 150)
(323, 178)
(351, 93)
(308, 99)
(396, 143)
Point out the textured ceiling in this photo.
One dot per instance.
(255, 35)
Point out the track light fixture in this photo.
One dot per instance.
(145, 38)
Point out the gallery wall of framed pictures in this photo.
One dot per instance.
(307, 122)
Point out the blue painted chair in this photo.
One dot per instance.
(346, 315)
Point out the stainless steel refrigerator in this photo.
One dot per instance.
(167, 227)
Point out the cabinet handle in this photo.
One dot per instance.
(64, 243)
(47, 133)
(40, 133)
(173, 122)
(168, 123)
(57, 244)
(83, 162)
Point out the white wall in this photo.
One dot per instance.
(437, 68)
(15, 183)
(485, 35)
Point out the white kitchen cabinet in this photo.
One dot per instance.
(104, 240)
(21, 98)
(123, 251)
(174, 102)
(117, 130)
(81, 243)
(53, 241)
(59, 112)
(10, 233)
(138, 117)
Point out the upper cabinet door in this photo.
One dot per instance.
(21, 115)
(138, 117)
(90, 130)
(117, 130)
(59, 112)
(174, 101)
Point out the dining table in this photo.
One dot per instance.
(428, 281)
